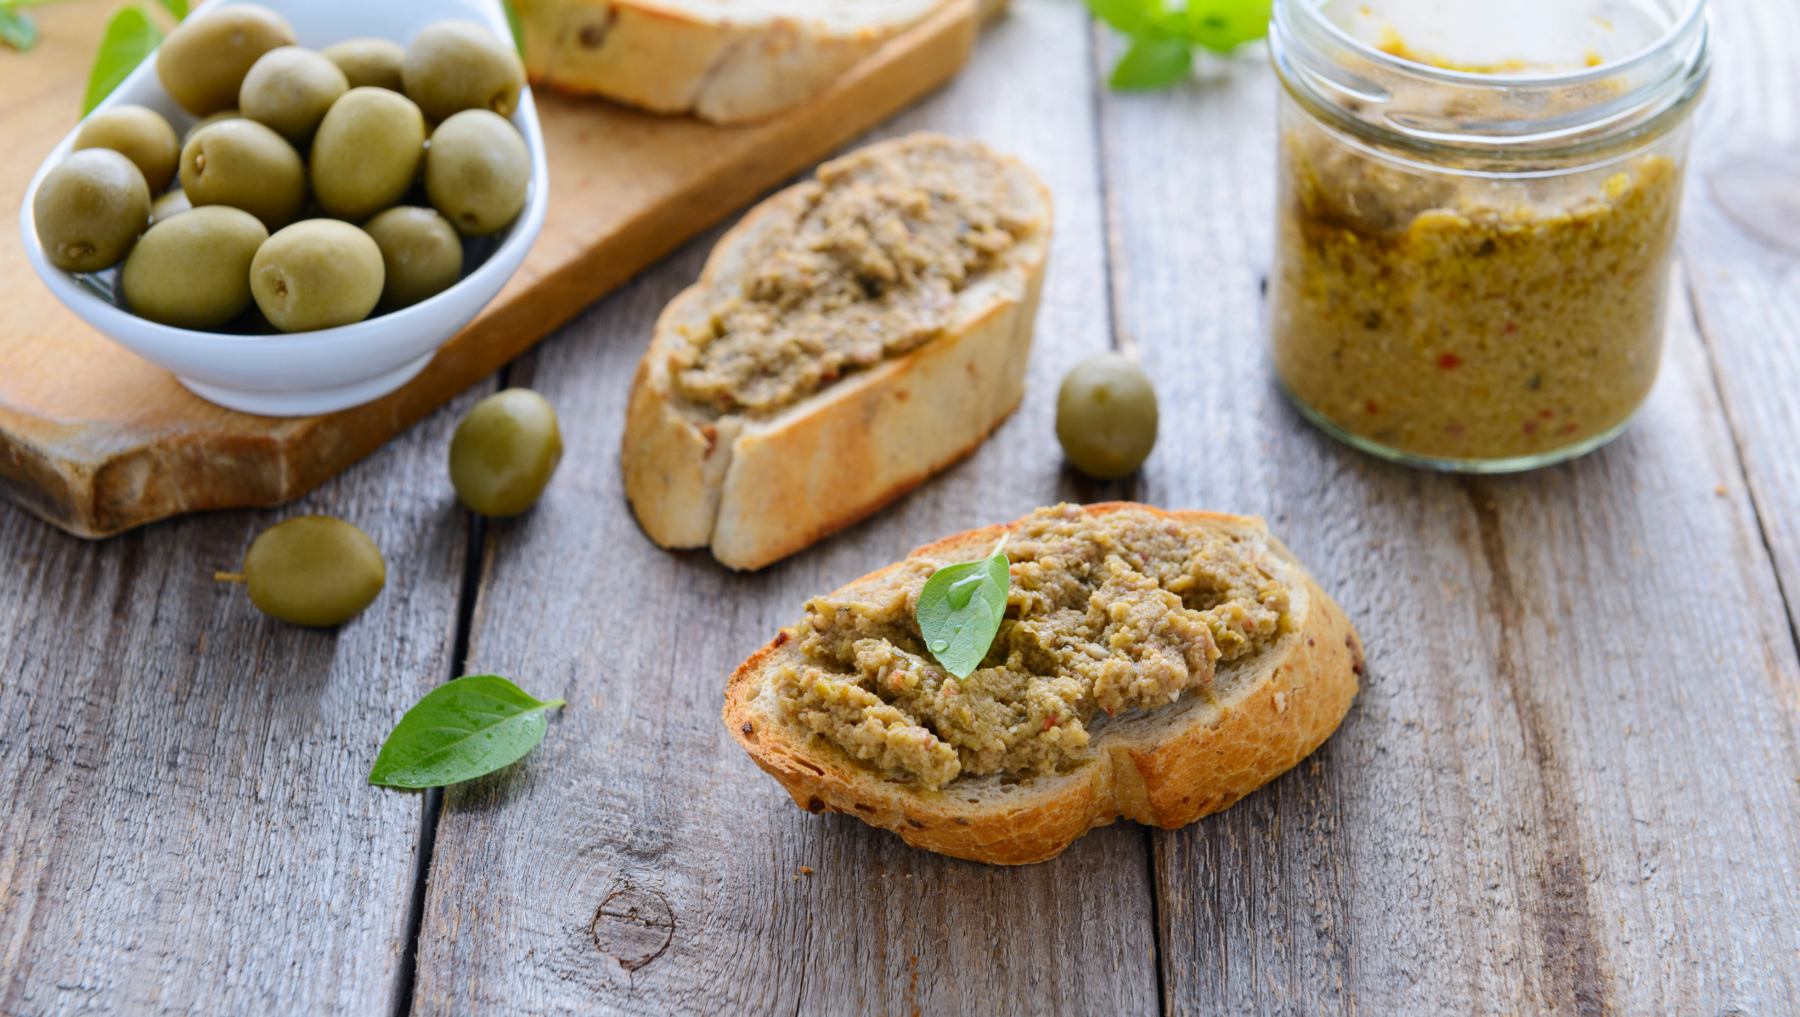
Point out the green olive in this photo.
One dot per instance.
(245, 165)
(170, 204)
(138, 134)
(367, 152)
(421, 253)
(289, 89)
(504, 452)
(193, 270)
(452, 66)
(203, 61)
(313, 570)
(317, 273)
(368, 63)
(1106, 416)
(90, 209)
(207, 121)
(477, 171)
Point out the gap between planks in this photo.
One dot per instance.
(431, 803)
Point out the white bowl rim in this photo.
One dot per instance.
(114, 321)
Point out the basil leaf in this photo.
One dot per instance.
(459, 731)
(1152, 63)
(179, 8)
(129, 38)
(1132, 17)
(512, 22)
(17, 30)
(960, 609)
(1224, 25)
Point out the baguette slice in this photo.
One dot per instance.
(756, 488)
(725, 61)
(1166, 767)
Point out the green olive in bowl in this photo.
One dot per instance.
(477, 172)
(193, 270)
(452, 66)
(289, 89)
(318, 273)
(139, 134)
(368, 63)
(246, 165)
(203, 61)
(90, 209)
(420, 252)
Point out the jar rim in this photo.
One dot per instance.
(1686, 24)
(1302, 36)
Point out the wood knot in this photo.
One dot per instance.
(633, 925)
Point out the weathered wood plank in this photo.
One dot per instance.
(186, 827)
(637, 836)
(1746, 288)
(1569, 782)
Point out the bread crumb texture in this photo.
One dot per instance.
(1127, 611)
(869, 266)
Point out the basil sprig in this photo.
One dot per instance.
(17, 29)
(459, 731)
(960, 609)
(1164, 33)
(130, 37)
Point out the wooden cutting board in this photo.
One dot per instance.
(96, 440)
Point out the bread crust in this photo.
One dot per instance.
(757, 490)
(1167, 775)
(723, 65)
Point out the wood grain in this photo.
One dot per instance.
(638, 806)
(186, 826)
(1746, 288)
(97, 441)
(1569, 783)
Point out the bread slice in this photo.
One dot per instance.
(1164, 767)
(758, 485)
(725, 61)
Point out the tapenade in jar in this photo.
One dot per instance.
(1476, 215)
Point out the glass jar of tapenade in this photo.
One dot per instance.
(1477, 212)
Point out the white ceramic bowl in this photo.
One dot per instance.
(331, 369)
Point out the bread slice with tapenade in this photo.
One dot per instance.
(1152, 665)
(853, 335)
(726, 61)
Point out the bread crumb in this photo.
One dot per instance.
(1720, 491)
(806, 870)
(1280, 702)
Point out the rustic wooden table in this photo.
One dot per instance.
(1571, 783)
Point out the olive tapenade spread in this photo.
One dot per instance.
(1453, 318)
(1126, 610)
(884, 241)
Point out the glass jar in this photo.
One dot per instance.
(1477, 213)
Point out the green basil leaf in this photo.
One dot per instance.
(960, 609)
(512, 22)
(129, 38)
(1132, 17)
(1224, 25)
(179, 8)
(1153, 63)
(459, 731)
(17, 30)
